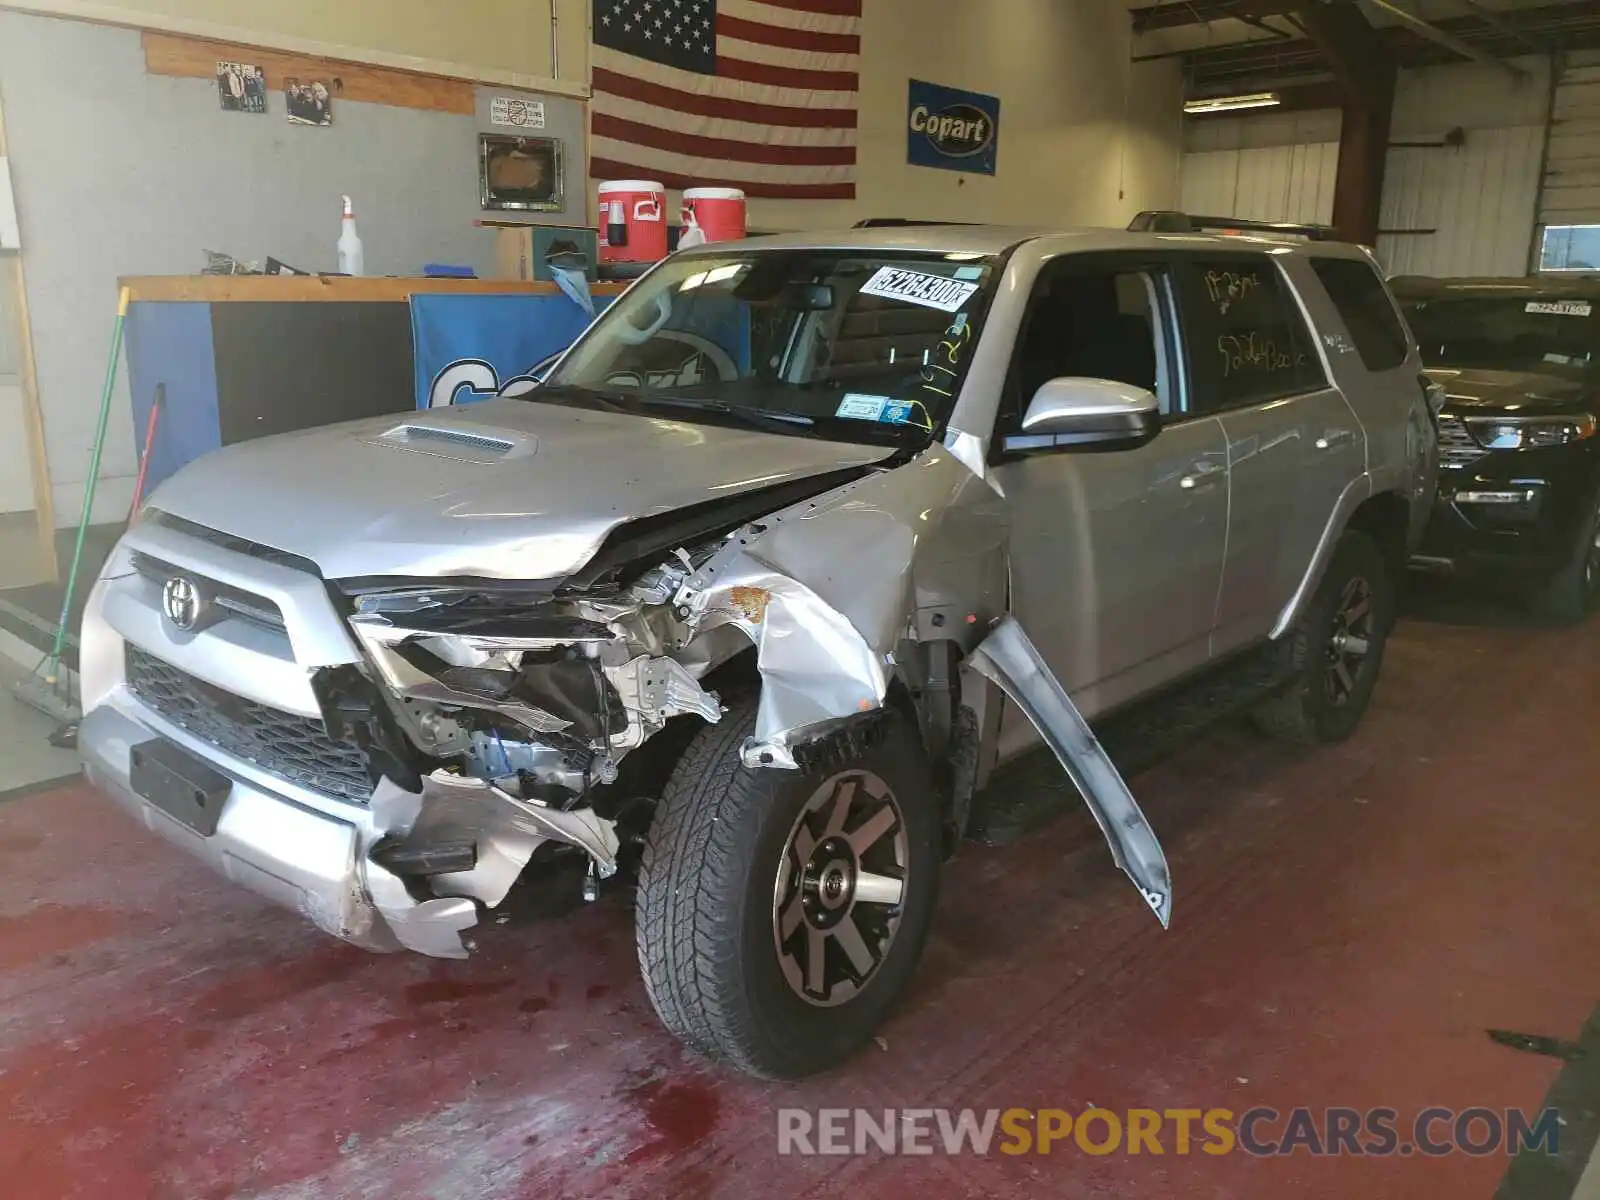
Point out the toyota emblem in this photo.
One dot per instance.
(180, 600)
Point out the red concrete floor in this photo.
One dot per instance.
(1347, 923)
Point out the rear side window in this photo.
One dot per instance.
(1246, 340)
(1363, 304)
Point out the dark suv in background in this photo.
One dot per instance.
(1519, 478)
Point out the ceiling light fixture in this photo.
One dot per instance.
(1216, 104)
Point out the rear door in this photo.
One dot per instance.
(1293, 444)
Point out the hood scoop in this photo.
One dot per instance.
(458, 442)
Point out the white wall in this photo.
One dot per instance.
(122, 173)
(1479, 197)
(1467, 209)
(1085, 136)
(497, 41)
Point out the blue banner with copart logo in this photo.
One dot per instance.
(952, 129)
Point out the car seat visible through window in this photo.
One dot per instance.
(1078, 330)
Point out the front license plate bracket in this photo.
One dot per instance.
(188, 790)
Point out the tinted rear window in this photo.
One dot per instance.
(1363, 303)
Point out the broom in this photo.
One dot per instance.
(52, 694)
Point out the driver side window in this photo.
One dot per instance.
(1095, 321)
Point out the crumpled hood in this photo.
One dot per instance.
(505, 489)
(1482, 392)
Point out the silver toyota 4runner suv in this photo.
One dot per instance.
(750, 595)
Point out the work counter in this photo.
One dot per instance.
(235, 357)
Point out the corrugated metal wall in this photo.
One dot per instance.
(1571, 193)
(1278, 183)
(1468, 209)
(1266, 167)
(1479, 198)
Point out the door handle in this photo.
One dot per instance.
(1202, 474)
(1335, 437)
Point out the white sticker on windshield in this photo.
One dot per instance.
(1561, 308)
(884, 409)
(915, 287)
(861, 408)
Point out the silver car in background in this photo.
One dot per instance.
(748, 598)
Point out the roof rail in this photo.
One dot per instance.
(900, 223)
(1157, 221)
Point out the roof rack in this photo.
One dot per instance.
(1156, 221)
(900, 223)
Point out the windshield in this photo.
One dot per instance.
(1507, 333)
(844, 345)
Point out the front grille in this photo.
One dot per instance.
(1457, 448)
(251, 607)
(284, 744)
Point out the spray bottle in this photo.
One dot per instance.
(349, 242)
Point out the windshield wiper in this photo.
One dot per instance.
(766, 418)
(613, 400)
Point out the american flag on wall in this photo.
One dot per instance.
(753, 94)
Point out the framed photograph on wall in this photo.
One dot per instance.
(308, 102)
(520, 174)
(242, 87)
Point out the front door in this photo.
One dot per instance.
(1116, 557)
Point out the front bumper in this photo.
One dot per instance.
(1511, 511)
(300, 848)
(302, 857)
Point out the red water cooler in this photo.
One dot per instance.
(717, 213)
(633, 221)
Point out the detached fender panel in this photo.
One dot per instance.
(1009, 658)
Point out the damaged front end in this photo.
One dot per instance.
(495, 719)
(497, 716)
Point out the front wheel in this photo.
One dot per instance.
(781, 913)
(1334, 653)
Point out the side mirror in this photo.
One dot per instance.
(1087, 414)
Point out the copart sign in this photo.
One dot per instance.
(952, 129)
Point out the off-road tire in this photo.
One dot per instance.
(705, 917)
(1302, 711)
(1570, 594)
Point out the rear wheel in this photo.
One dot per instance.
(1335, 652)
(782, 913)
(1574, 591)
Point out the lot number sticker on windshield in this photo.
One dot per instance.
(1561, 308)
(883, 409)
(915, 287)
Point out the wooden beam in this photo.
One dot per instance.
(13, 277)
(195, 58)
